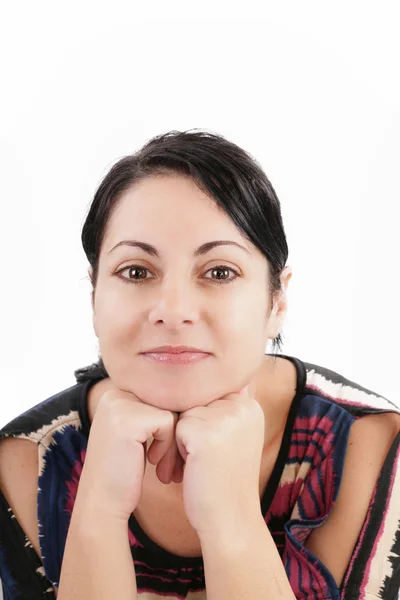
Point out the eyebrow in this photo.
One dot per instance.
(200, 251)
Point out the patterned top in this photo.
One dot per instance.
(299, 496)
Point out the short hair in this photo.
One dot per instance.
(221, 169)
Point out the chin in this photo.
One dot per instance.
(171, 402)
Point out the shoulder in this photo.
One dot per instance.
(375, 425)
(370, 440)
(19, 485)
(62, 408)
(346, 393)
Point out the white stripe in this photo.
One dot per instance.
(348, 393)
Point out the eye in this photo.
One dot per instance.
(132, 268)
(224, 268)
(141, 280)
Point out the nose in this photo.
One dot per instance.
(175, 305)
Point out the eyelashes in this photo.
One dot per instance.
(142, 281)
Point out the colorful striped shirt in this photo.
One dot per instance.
(299, 496)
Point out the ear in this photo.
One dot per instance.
(90, 273)
(279, 308)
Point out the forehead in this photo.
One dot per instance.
(169, 208)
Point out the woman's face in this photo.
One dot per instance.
(180, 297)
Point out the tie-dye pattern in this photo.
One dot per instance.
(300, 494)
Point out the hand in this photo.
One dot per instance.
(221, 445)
(170, 466)
(115, 461)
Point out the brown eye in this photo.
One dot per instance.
(223, 269)
(137, 270)
(130, 269)
(220, 270)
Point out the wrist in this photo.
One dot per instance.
(234, 529)
(93, 513)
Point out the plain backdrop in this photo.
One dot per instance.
(311, 89)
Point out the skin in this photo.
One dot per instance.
(180, 301)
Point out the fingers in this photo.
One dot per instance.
(163, 436)
(163, 451)
(177, 475)
(165, 467)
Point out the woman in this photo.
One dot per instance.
(214, 472)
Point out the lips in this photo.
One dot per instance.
(175, 350)
(176, 358)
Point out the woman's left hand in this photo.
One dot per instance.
(221, 445)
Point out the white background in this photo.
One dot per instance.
(311, 90)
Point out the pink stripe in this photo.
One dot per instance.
(164, 594)
(133, 541)
(180, 569)
(312, 578)
(173, 580)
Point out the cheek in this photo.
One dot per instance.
(116, 322)
(244, 314)
(235, 314)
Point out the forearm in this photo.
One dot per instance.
(243, 563)
(97, 562)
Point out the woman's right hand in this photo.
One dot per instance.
(115, 461)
